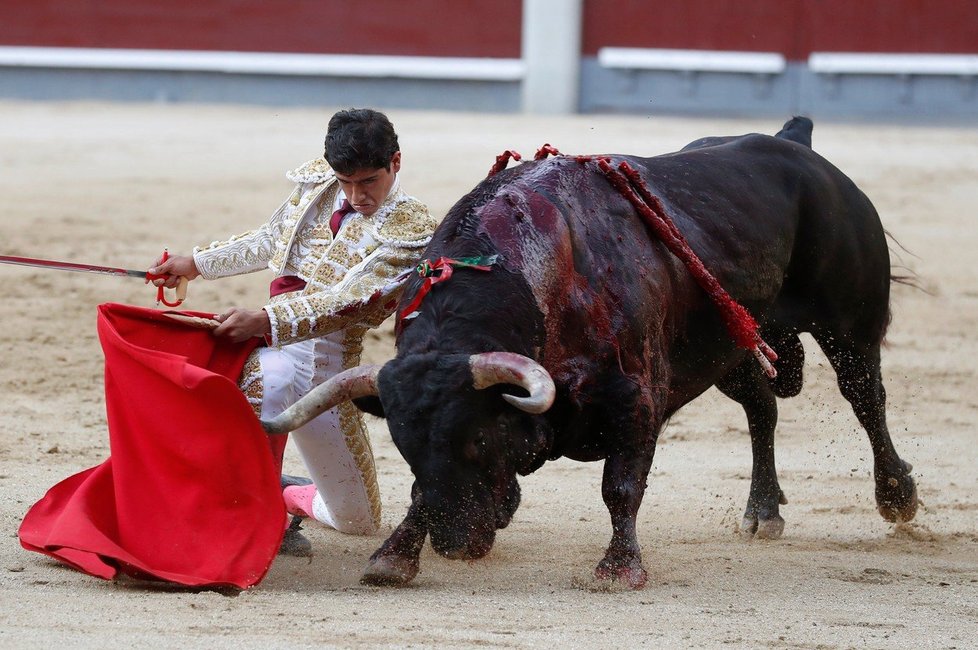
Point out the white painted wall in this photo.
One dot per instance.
(551, 55)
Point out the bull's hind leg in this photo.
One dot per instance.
(861, 383)
(748, 387)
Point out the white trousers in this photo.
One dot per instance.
(334, 446)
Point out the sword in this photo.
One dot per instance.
(181, 289)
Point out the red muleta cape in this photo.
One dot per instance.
(190, 493)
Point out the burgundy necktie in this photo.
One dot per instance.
(337, 218)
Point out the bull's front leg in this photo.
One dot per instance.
(623, 486)
(397, 561)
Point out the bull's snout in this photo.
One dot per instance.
(461, 536)
(471, 549)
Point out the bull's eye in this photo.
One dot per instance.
(476, 448)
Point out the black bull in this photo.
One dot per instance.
(583, 291)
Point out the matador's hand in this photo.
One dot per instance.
(175, 266)
(242, 324)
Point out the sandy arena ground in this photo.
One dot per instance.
(114, 184)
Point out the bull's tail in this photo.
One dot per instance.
(797, 129)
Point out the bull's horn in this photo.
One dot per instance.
(343, 387)
(490, 368)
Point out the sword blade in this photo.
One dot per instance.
(70, 266)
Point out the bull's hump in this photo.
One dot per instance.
(518, 219)
(529, 231)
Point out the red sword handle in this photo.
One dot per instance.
(181, 286)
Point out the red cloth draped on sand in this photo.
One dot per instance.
(190, 493)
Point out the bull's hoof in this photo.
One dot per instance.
(613, 575)
(771, 528)
(294, 543)
(390, 570)
(762, 519)
(896, 496)
(901, 505)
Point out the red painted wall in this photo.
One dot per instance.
(405, 27)
(754, 25)
(794, 28)
(491, 28)
(948, 26)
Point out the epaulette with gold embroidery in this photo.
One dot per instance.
(408, 224)
(313, 171)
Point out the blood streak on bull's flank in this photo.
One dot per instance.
(545, 252)
(539, 244)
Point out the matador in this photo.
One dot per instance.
(337, 247)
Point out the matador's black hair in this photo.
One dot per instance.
(360, 138)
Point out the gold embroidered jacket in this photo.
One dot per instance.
(351, 280)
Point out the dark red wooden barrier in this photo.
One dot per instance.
(491, 28)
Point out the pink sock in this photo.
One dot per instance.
(298, 499)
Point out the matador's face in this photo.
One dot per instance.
(366, 189)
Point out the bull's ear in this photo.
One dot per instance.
(370, 404)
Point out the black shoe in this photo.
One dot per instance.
(295, 543)
(288, 480)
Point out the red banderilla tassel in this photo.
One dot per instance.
(441, 270)
(502, 160)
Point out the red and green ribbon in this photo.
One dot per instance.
(441, 270)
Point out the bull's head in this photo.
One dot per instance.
(464, 437)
